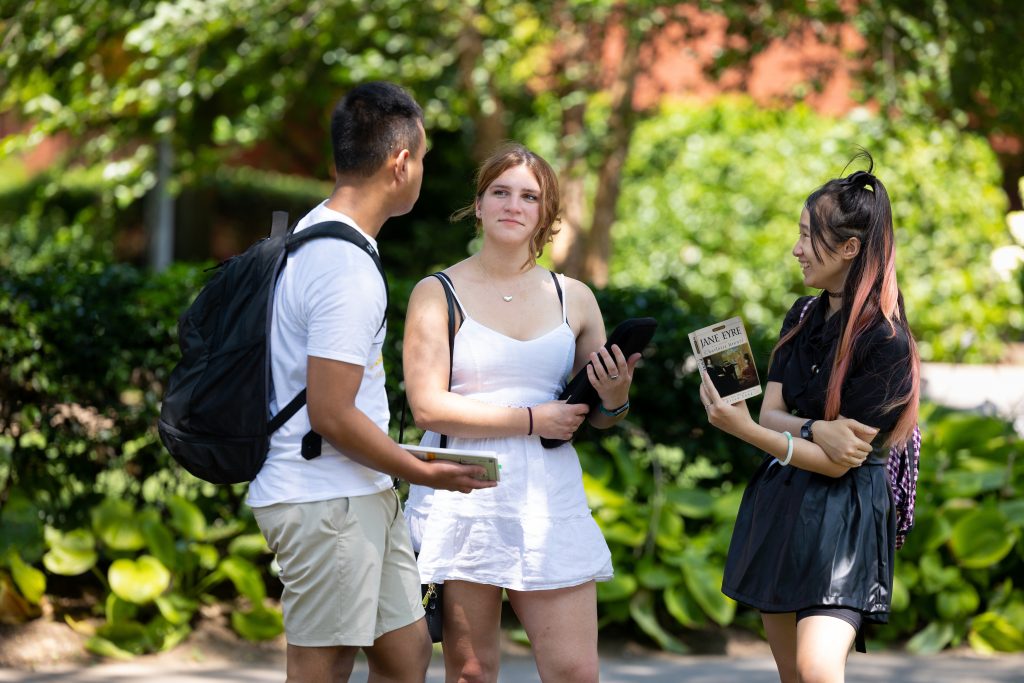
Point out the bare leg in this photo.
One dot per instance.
(319, 664)
(823, 644)
(562, 626)
(400, 656)
(472, 623)
(781, 632)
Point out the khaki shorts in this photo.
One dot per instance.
(347, 566)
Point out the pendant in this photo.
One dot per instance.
(507, 298)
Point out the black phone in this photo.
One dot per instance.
(631, 336)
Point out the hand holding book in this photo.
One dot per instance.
(723, 353)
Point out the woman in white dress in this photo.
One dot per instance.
(521, 333)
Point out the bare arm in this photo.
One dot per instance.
(330, 394)
(612, 384)
(845, 441)
(735, 419)
(427, 364)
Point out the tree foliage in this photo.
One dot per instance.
(713, 196)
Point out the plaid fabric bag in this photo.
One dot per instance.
(902, 470)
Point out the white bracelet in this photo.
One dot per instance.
(789, 450)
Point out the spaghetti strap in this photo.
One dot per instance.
(561, 295)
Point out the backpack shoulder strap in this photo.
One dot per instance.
(313, 442)
(342, 231)
(278, 223)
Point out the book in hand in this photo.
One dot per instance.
(486, 459)
(724, 352)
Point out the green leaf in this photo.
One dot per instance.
(620, 587)
(176, 608)
(991, 632)
(245, 576)
(248, 545)
(258, 624)
(21, 529)
(931, 639)
(164, 635)
(935, 575)
(106, 648)
(159, 540)
(655, 576)
(681, 605)
(219, 532)
(957, 602)
(130, 636)
(207, 555)
(30, 581)
(601, 497)
(900, 595)
(982, 538)
(705, 584)
(1014, 511)
(116, 525)
(70, 554)
(624, 533)
(119, 610)
(692, 503)
(641, 608)
(187, 518)
(671, 533)
(139, 581)
(727, 505)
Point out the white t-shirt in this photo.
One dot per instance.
(329, 303)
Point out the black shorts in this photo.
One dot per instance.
(850, 616)
(853, 617)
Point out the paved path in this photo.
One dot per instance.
(989, 389)
(656, 668)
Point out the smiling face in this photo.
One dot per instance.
(828, 268)
(509, 209)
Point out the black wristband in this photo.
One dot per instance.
(529, 413)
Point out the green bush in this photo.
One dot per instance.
(712, 195)
(88, 489)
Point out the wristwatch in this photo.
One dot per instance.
(806, 432)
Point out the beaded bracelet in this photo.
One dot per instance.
(613, 413)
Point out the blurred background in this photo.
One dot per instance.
(141, 142)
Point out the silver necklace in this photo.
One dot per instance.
(507, 298)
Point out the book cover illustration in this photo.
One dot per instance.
(724, 351)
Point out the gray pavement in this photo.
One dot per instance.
(652, 668)
(987, 389)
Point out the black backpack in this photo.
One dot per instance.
(215, 414)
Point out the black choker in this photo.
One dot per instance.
(838, 295)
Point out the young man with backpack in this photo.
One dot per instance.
(334, 520)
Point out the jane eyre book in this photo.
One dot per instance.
(723, 350)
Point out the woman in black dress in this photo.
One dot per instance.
(814, 541)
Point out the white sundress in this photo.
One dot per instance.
(534, 530)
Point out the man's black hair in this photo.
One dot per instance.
(370, 123)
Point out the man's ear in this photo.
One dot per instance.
(851, 248)
(401, 164)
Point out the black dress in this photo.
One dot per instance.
(806, 540)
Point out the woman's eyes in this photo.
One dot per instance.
(529, 196)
